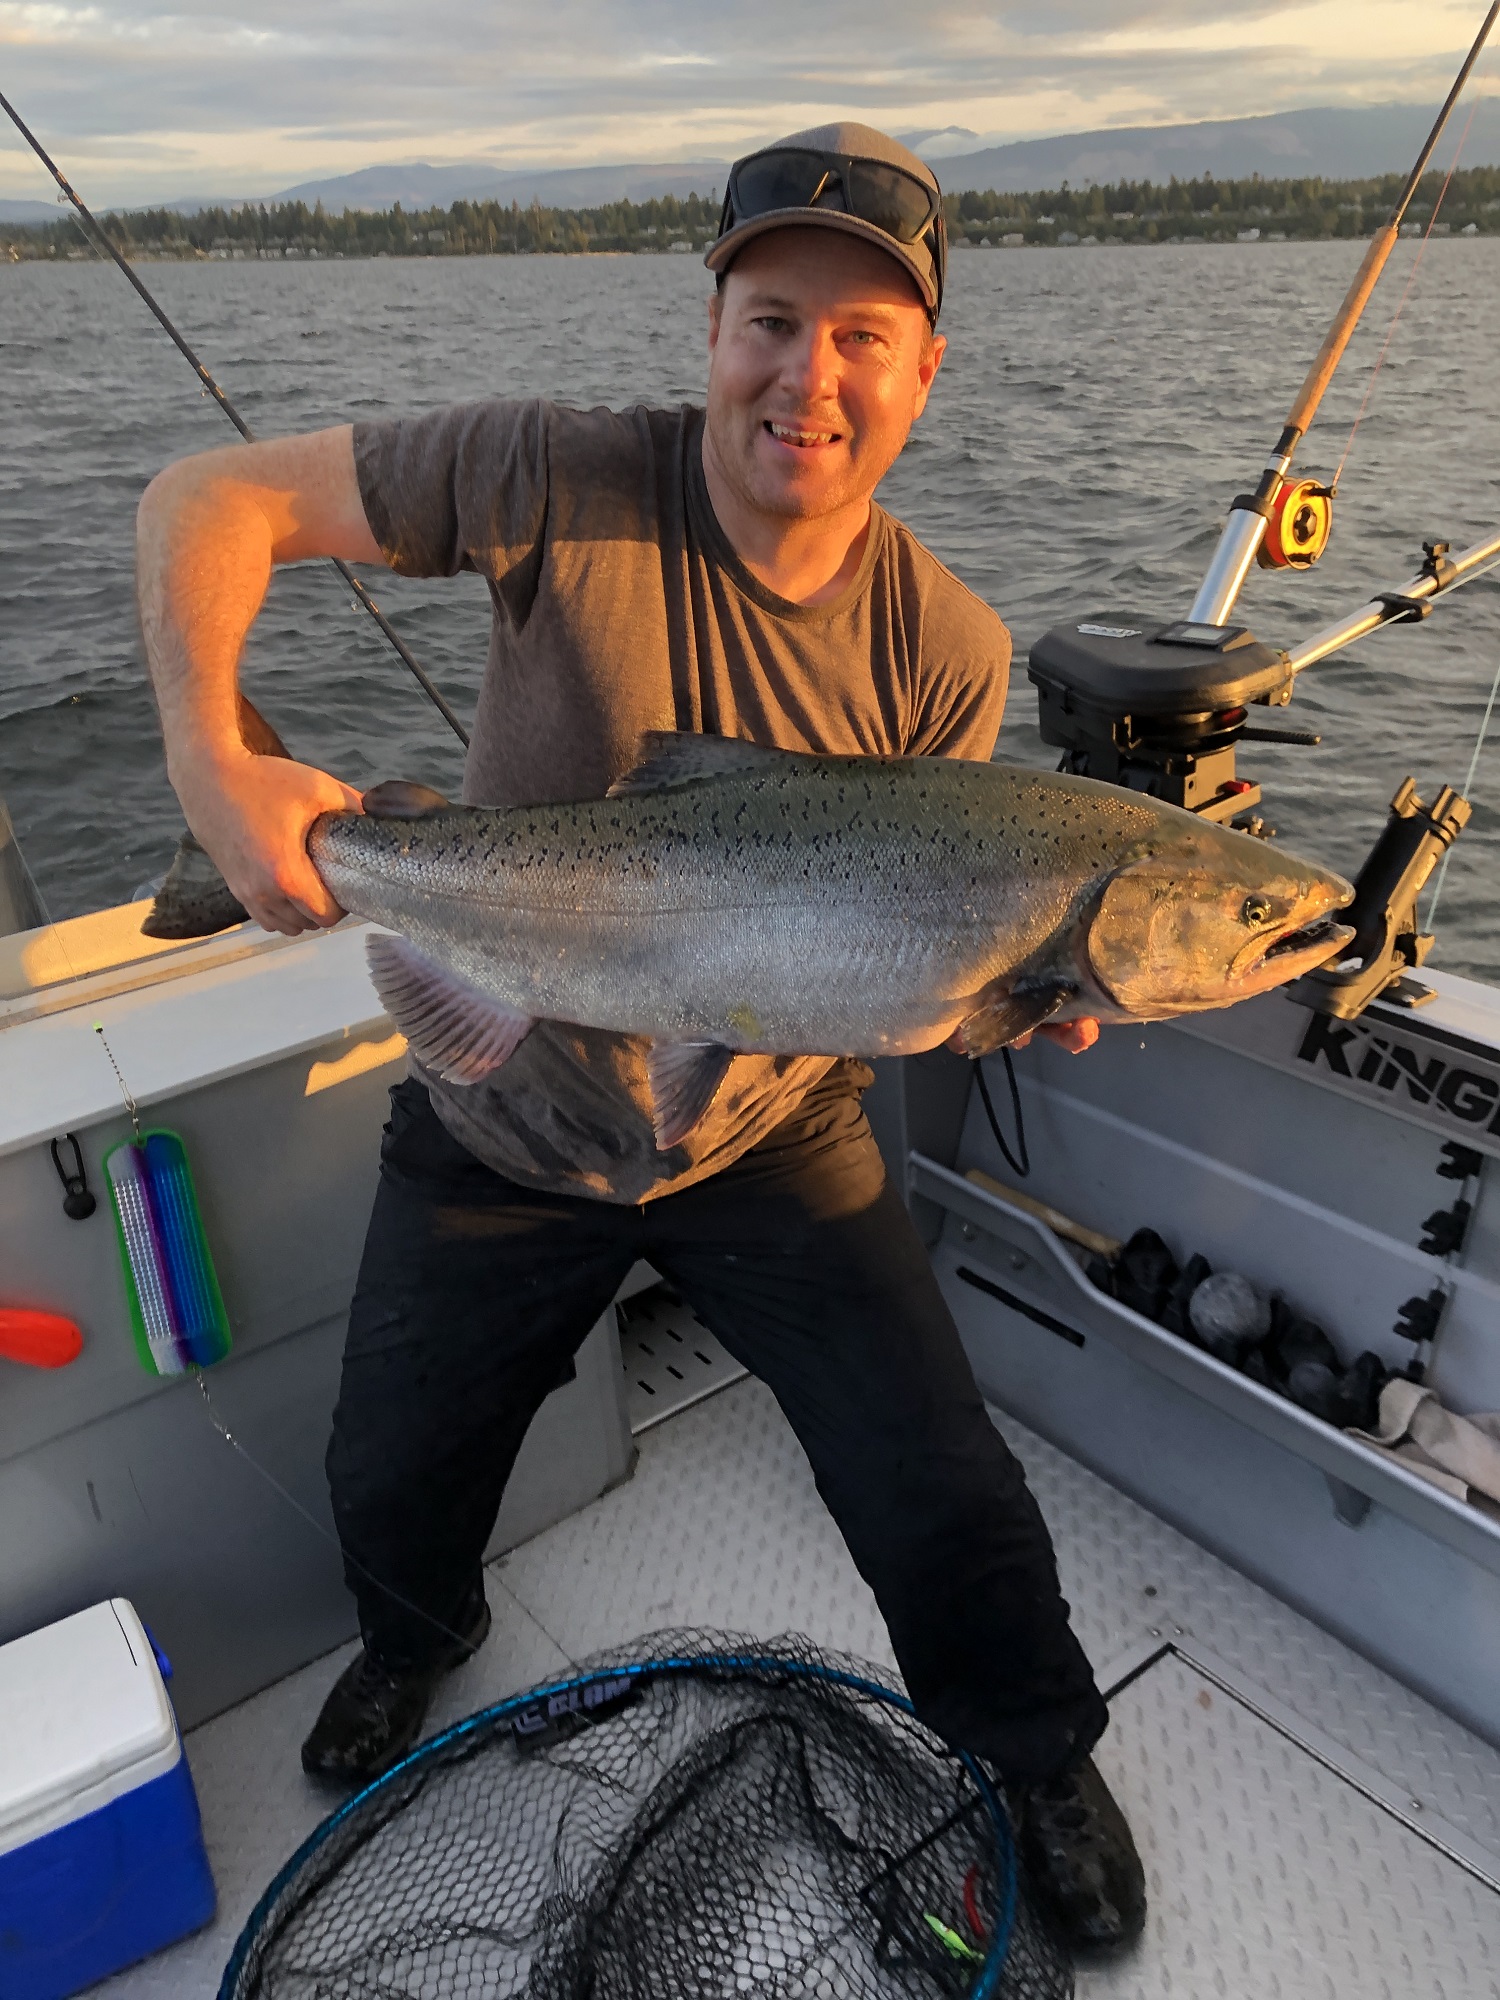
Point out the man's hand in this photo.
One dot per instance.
(209, 532)
(252, 814)
(1074, 1036)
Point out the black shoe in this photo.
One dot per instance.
(374, 1714)
(1081, 1860)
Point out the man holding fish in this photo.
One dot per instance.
(636, 998)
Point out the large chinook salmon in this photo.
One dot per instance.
(726, 898)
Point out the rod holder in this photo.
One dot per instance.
(1387, 942)
(1239, 545)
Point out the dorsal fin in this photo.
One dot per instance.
(679, 757)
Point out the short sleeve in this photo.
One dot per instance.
(460, 488)
(964, 671)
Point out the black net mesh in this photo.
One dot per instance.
(697, 1816)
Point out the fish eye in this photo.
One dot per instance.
(1256, 910)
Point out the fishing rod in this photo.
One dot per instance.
(1160, 706)
(95, 235)
(1300, 513)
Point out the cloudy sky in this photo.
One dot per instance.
(236, 98)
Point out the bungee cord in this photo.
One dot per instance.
(96, 237)
(1019, 1162)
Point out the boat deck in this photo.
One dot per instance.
(1310, 1828)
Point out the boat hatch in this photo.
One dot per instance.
(671, 1361)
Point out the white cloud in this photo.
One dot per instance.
(675, 62)
(147, 101)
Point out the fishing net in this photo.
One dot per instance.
(696, 1816)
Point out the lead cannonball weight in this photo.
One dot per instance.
(1229, 1315)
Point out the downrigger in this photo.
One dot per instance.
(1161, 705)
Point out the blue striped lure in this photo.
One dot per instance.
(176, 1309)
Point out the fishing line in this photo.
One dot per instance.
(95, 236)
(1023, 1165)
(1333, 485)
(387, 1590)
(98, 239)
(1468, 789)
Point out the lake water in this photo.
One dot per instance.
(1098, 409)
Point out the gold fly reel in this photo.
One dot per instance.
(1301, 520)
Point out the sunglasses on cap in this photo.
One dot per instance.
(898, 203)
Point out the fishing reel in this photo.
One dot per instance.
(1298, 524)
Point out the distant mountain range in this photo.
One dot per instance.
(1335, 142)
(29, 211)
(421, 186)
(418, 185)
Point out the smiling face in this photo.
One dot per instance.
(821, 358)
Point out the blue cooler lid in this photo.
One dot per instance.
(84, 1716)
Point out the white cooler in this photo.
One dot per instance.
(101, 1849)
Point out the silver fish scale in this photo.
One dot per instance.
(699, 911)
(880, 838)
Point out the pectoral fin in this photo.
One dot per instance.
(452, 1027)
(1009, 1016)
(684, 1079)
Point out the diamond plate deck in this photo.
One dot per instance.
(1292, 1887)
(1271, 1876)
(1127, 1574)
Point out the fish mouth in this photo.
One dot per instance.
(1321, 931)
(1298, 951)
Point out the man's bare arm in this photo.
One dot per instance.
(209, 531)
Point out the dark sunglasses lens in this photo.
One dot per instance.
(777, 180)
(892, 200)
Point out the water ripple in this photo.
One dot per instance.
(1097, 411)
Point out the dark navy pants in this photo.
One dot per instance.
(475, 1291)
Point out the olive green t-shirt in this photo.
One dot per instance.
(620, 607)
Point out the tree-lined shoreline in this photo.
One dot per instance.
(1206, 210)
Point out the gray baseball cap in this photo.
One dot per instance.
(847, 177)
